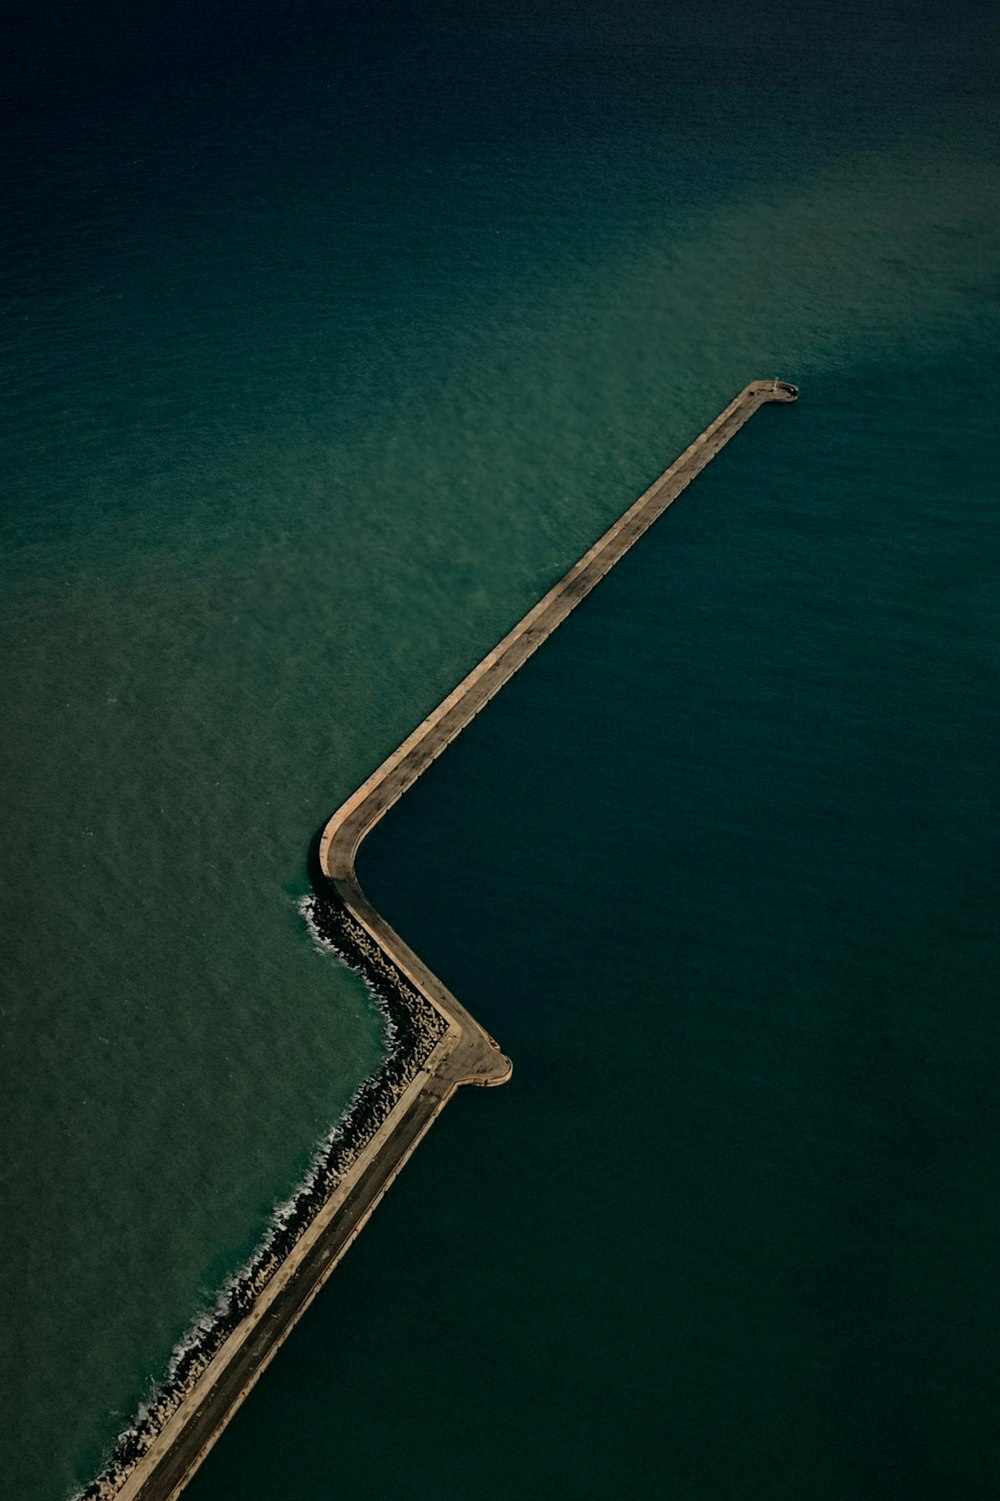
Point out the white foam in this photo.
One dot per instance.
(255, 1272)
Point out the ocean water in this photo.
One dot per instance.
(336, 336)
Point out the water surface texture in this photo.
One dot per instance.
(336, 338)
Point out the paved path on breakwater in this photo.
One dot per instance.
(466, 1053)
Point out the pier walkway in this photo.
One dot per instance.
(465, 1054)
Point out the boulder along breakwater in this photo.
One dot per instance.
(434, 1046)
(413, 1027)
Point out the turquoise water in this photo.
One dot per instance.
(336, 339)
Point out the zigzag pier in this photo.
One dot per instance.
(436, 1046)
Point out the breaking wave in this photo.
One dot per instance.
(412, 1029)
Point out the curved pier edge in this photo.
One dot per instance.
(354, 820)
(436, 1046)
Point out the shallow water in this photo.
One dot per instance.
(336, 342)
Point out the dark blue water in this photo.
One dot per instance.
(720, 869)
(337, 336)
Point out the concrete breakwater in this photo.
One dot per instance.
(435, 1045)
(359, 815)
(413, 1030)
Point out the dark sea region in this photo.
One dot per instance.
(719, 868)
